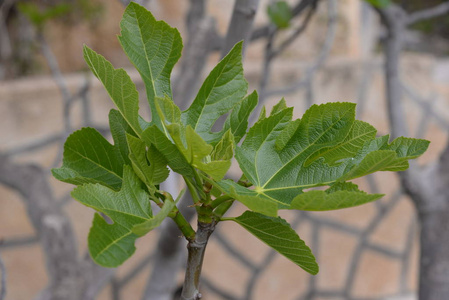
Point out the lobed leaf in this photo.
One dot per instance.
(111, 245)
(281, 157)
(90, 158)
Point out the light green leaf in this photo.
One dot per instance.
(175, 158)
(119, 129)
(340, 195)
(119, 86)
(221, 91)
(154, 48)
(379, 3)
(249, 198)
(360, 133)
(281, 157)
(237, 120)
(145, 227)
(198, 153)
(90, 158)
(151, 167)
(224, 149)
(111, 245)
(280, 106)
(277, 234)
(280, 14)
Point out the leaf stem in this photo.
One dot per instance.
(183, 224)
(193, 191)
(223, 208)
(220, 200)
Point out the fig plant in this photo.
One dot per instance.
(280, 158)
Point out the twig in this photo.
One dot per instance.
(320, 59)
(63, 88)
(429, 13)
(51, 223)
(264, 31)
(3, 281)
(19, 242)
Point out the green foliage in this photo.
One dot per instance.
(281, 158)
(67, 11)
(379, 3)
(280, 14)
(39, 16)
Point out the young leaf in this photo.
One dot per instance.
(154, 48)
(119, 129)
(223, 88)
(119, 86)
(90, 158)
(224, 149)
(198, 152)
(340, 195)
(111, 245)
(237, 121)
(280, 14)
(153, 136)
(151, 167)
(277, 233)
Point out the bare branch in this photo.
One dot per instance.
(264, 31)
(194, 61)
(393, 17)
(241, 24)
(296, 33)
(321, 57)
(51, 223)
(3, 281)
(426, 14)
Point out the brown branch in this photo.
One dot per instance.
(426, 14)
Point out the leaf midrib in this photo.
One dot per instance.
(310, 145)
(95, 163)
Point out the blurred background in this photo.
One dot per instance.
(390, 57)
